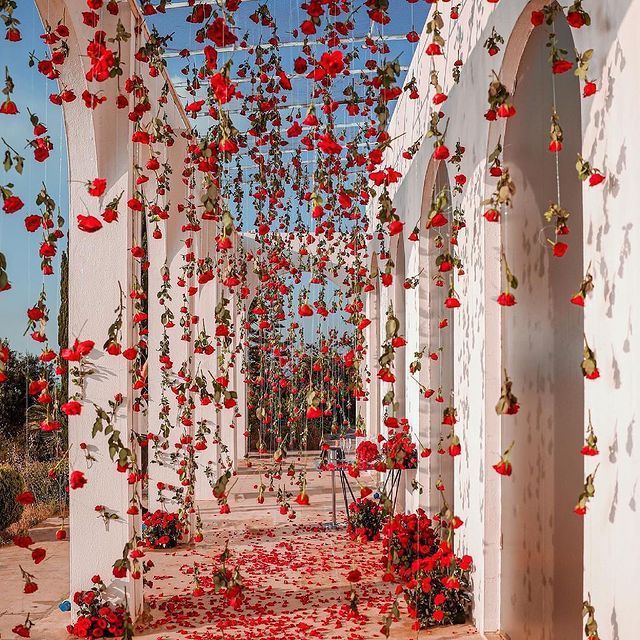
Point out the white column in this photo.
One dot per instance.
(207, 299)
(168, 251)
(241, 420)
(99, 146)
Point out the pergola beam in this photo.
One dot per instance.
(296, 105)
(288, 44)
(186, 5)
(295, 76)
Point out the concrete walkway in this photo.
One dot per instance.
(294, 574)
(52, 577)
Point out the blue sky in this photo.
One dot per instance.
(32, 91)
(19, 246)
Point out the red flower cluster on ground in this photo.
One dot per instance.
(433, 580)
(365, 520)
(162, 529)
(97, 618)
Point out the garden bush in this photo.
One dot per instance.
(11, 484)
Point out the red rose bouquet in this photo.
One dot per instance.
(162, 530)
(365, 520)
(97, 617)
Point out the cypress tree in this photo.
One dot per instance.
(63, 320)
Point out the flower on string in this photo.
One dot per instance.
(506, 298)
(96, 187)
(8, 107)
(25, 498)
(590, 447)
(590, 625)
(586, 287)
(89, 224)
(589, 365)
(77, 480)
(508, 403)
(493, 42)
(11, 203)
(556, 134)
(504, 467)
(587, 494)
(577, 17)
(499, 101)
(559, 63)
(434, 27)
(587, 172)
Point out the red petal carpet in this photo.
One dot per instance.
(295, 577)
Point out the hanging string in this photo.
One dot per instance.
(557, 153)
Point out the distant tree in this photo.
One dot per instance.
(20, 413)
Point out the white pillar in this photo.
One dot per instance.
(207, 298)
(241, 419)
(169, 252)
(99, 146)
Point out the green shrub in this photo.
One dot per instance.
(11, 484)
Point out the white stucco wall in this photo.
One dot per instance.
(609, 135)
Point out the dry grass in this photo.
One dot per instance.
(32, 515)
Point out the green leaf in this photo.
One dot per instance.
(391, 327)
(97, 427)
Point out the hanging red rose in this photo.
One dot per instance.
(89, 224)
(77, 480)
(12, 204)
(25, 498)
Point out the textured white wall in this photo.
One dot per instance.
(610, 232)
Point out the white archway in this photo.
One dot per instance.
(542, 338)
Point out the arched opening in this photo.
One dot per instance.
(541, 345)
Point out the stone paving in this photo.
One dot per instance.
(294, 574)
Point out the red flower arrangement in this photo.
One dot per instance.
(98, 618)
(367, 454)
(397, 452)
(365, 520)
(400, 451)
(162, 529)
(433, 580)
